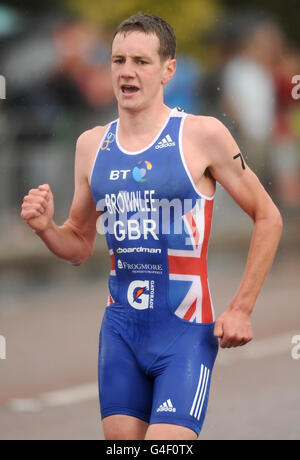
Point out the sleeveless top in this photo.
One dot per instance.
(156, 223)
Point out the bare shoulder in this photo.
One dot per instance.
(205, 128)
(87, 146)
(90, 138)
(212, 137)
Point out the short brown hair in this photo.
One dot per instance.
(151, 24)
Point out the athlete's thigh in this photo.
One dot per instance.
(181, 389)
(124, 427)
(123, 387)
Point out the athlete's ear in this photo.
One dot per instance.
(169, 68)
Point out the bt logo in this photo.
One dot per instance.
(138, 172)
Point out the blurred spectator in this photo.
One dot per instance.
(10, 22)
(182, 90)
(58, 85)
(83, 72)
(286, 138)
(248, 87)
(222, 42)
(30, 108)
(249, 92)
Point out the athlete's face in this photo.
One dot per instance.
(138, 74)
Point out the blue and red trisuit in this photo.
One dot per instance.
(157, 347)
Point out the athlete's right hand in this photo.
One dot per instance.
(38, 208)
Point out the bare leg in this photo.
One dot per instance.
(167, 431)
(124, 427)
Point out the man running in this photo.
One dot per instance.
(151, 174)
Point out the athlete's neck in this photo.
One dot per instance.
(144, 124)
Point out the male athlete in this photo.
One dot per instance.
(152, 174)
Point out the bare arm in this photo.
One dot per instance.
(230, 170)
(74, 240)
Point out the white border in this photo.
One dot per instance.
(185, 165)
(149, 145)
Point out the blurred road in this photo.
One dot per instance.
(48, 382)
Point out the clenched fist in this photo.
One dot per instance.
(38, 208)
(233, 328)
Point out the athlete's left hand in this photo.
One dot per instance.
(233, 328)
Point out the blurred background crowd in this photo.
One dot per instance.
(234, 64)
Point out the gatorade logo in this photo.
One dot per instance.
(140, 294)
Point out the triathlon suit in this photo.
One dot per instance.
(157, 347)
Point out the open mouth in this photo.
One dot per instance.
(129, 89)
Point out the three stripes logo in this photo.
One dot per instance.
(165, 142)
(167, 406)
(200, 394)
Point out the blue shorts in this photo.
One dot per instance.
(157, 371)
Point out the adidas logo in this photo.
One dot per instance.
(167, 406)
(165, 142)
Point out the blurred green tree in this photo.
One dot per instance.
(188, 15)
(286, 13)
(189, 18)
